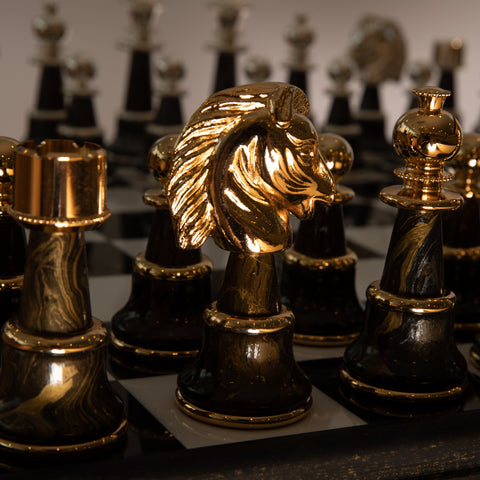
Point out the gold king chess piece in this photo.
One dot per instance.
(461, 244)
(161, 325)
(54, 394)
(318, 277)
(12, 236)
(251, 156)
(405, 361)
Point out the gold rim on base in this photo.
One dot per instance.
(236, 421)
(467, 327)
(97, 444)
(396, 395)
(148, 352)
(324, 340)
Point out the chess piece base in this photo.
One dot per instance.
(245, 375)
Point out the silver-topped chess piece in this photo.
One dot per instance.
(49, 27)
(257, 69)
(420, 73)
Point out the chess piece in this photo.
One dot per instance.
(461, 250)
(448, 57)
(12, 236)
(50, 109)
(257, 69)
(378, 50)
(318, 278)
(227, 46)
(128, 148)
(405, 361)
(80, 124)
(420, 73)
(250, 154)
(168, 118)
(55, 398)
(161, 324)
(300, 36)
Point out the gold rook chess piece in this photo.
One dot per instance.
(161, 325)
(461, 245)
(405, 361)
(55, 398)
(251, 156)
(318, 278)
(12, 236)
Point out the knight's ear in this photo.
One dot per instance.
(284, 102)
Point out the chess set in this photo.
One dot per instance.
(237, 295)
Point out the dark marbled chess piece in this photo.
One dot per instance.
(168, 116)
(461, 239)
(405, 360)
(12, 236)
(161, 325)
(226, 44)
(318, 275)
(80, 124)
(300, 37)
(128, 147)
(50, 109)
(55, 399)
(250, 154)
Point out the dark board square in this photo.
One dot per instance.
(128, 225)
(105, 259)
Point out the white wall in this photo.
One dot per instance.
(186, 27)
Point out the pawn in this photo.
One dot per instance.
(461, 249)
(55, 398)
(420, 73)
(318, 279)
(160, 326)
(169, 117)
(128, 148)
(80, 124)
(448, 57)
(50, 109)
(300, 36)
(12, 236)
(257, 69)
(226, 44)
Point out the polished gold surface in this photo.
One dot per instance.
(59, 184)
(13, 283)
(324, 340)
(7, 165)
(331, 263)
(237, 421)
(449, 394)
(160, 158)
(425, 138)
(148, 352)
(240, 188)
(415, 305)
(145, 267)
(378, 49)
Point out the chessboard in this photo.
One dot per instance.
(334, 441)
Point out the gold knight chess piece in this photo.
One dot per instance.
(251, 157)
(55, 398)
(405, 360)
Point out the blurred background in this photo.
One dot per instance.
(185, 29)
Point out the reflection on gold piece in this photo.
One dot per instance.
(419, 306)
(324, 340)
(334, 263)
(7, 165)
(235, 421)
(91, 339)
(148, 352)
(425, 138)
(247, 152)
(197, 270)
(106, 442)
(59, 184)
(461, 253)
(14, 283)
(155, 198)
(449, 394)
(263, 324)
